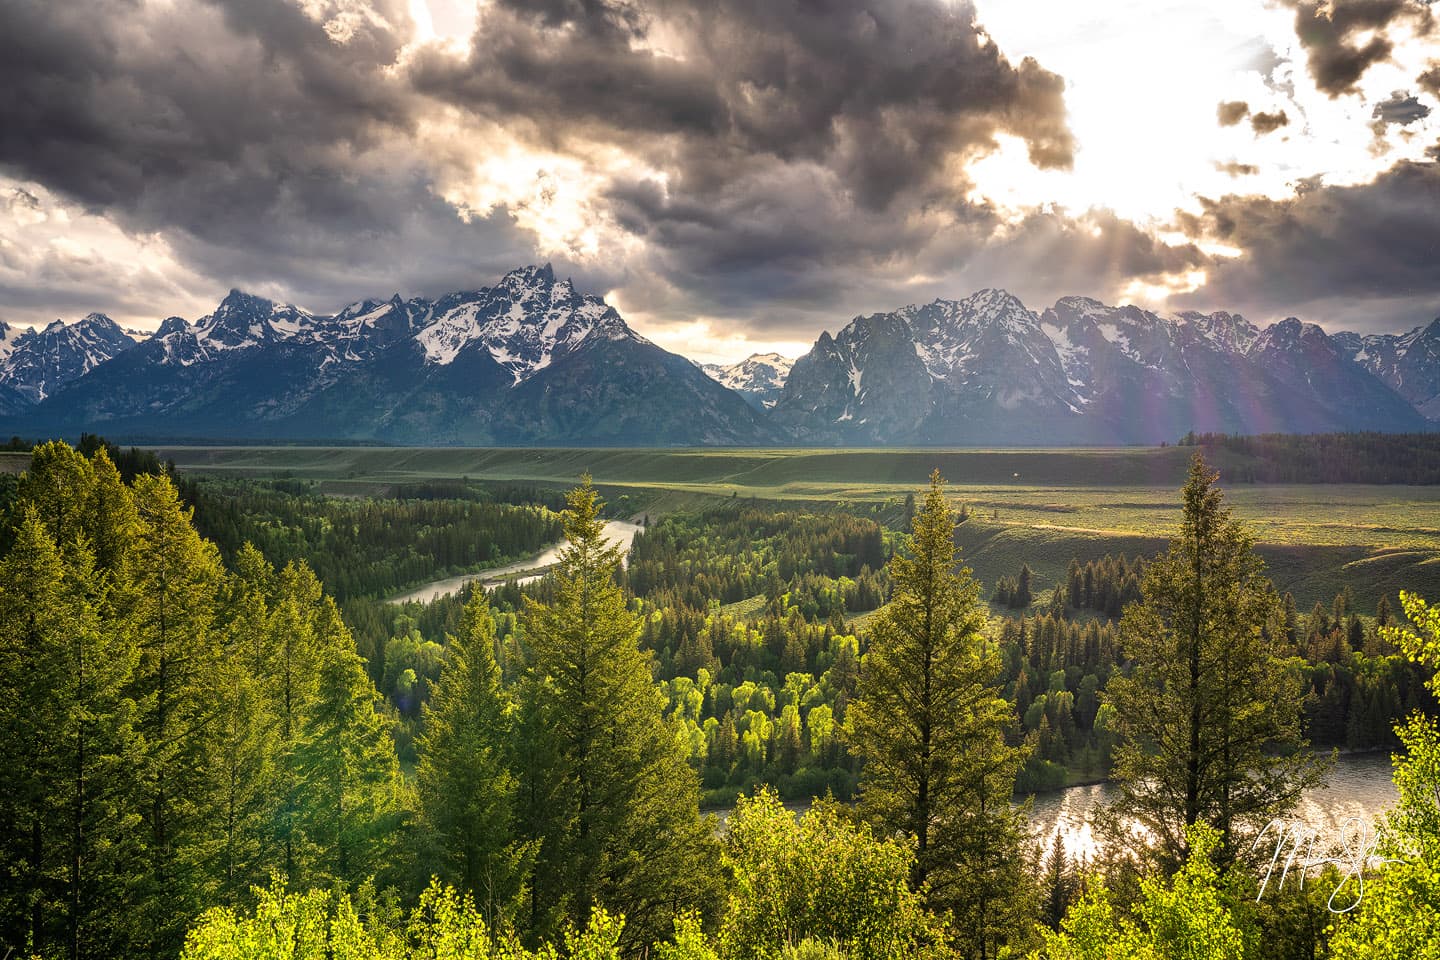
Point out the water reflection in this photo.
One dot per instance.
(1359, 785)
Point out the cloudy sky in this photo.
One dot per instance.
(734, 175)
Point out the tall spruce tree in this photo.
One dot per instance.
(242, 764)
(173, 595)
(621, 828)
(294, 650)
(353, 798)
(465, 777)
(929, 722)
(1210, 714)
(70, 842)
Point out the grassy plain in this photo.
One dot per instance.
(1040, 506)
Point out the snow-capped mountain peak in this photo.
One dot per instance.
(35, 363)
(243, 320)
(1408, 362)
(524, 322)
(759, 377)
(1228, 331)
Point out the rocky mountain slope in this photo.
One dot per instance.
(758, 378)
(531, 360)
(988, 370)
(1408, 363)
(36, 363)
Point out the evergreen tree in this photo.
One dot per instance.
(69, 837)
(466, 785)
(1059, 885)
(1211, 713)
(295, 650)
(353, 798)
(59, 485)
(622, 827)
(172, 599)
(929, 723)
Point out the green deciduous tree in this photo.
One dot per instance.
(1399, 914)
(1192, 916)
(1211, 711)
(929, 722)
(821, 879)
(620, 823)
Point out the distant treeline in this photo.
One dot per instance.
(367, 547)
(1410, 458)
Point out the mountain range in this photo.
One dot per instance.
(532, 361)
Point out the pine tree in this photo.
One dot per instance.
(1059, 885)
(929, 723)
(172, 597)
(465, 781)
(1023, 594)
(59, 485)
(621, 826)
(1210, 714)
(245, 745)
(352, 797)
(69, 838)
(295, 651)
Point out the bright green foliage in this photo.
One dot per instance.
(620, 824)
(68, 745)
(172, 596)
(466, 786)
(323, 925)
(929, 722)
(1209, 701)
(353, 796)
(1190, 917)
(172, 734)
(1399, 914)
(818, 878)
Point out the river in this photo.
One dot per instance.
(1359, 785)
(618, 532)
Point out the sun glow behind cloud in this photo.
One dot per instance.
(1143, 82)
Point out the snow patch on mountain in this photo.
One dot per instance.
(759, 377)
(36, 363)
(525, 323)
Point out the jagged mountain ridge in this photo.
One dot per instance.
(1409, 363)
(529, 360)
(758, 378)
(987, 369)
(36, 363)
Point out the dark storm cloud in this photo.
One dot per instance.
(1361, 256)
(1263, 123)
(261, 148)
(797, 142)
(807, 151)
(1344, 38)
(1401, 109)
(1231, 112)
(884, 94)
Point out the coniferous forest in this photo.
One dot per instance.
(222, 742)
